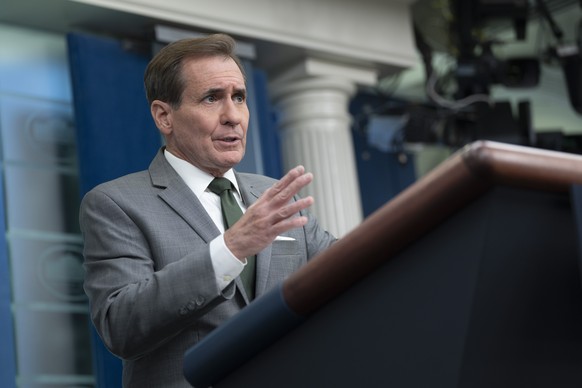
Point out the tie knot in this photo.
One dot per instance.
(218, 185)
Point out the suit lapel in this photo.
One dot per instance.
(180, 198)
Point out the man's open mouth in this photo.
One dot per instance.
(230, 139)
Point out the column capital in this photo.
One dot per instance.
(288, 88)
(315, 72)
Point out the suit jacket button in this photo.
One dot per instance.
(200, 300)
(183, 311)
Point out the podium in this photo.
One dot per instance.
(469, 278)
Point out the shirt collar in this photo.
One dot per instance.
(196, 179)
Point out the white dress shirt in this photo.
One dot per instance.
(226, 265)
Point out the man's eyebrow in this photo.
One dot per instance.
(222, 90)
(240, 91)
(214, 91)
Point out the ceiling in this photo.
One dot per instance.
(62, 16)
(65, 15)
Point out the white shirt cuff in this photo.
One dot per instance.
(226, 266)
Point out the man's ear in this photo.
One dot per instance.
(162, 114)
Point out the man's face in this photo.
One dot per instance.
(209, 128)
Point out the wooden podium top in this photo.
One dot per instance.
(450, 186)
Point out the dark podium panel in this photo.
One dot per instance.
(474, 283)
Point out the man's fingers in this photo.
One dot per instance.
(271, 215)
(285, 182)
(292, 188)
(288, 224)
(292, 209)
(289, 177)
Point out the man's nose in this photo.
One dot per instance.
(231, 113)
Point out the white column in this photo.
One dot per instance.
(315, 124)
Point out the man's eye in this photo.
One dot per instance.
(239, 98)
(210, 98)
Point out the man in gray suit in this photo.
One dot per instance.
(161, 271)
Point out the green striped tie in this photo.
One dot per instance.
(231, 213)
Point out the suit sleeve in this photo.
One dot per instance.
(136, 306)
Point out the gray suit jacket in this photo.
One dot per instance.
(149, 277)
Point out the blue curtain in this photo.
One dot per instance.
(115, 133)
(267, 126)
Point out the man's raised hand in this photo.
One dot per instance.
(271, 215)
